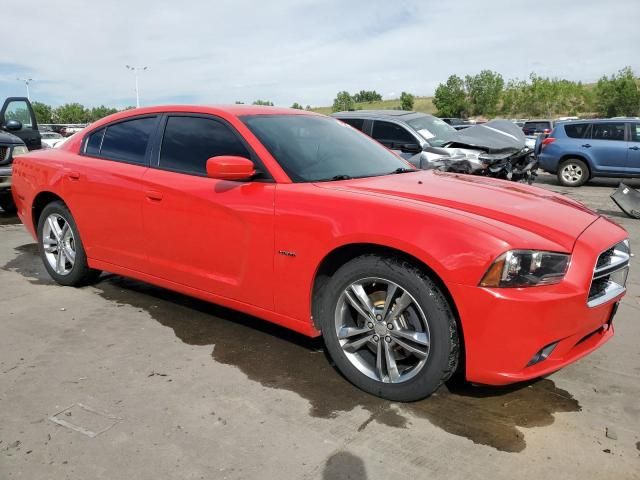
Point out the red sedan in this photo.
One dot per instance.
(301, 220)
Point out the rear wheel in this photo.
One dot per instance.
(573, 172)
(61, 248)
(389, 328)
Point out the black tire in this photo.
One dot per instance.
(573, 172)
(79, 274)
(6, 203)
(442, 359)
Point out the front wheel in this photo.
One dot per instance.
(388, 328)
(61, 248)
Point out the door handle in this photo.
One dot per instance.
(74, 175)
(153, 195)
(634, 148)
(586, 145)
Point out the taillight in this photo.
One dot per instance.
(548, 141)
(546, 131)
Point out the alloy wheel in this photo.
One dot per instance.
(58, 243)
(382, 330)
(572, 173)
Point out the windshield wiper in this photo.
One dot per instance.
(404, 170)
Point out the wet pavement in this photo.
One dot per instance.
(107, 345)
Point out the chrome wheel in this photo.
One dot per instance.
(58, 244)
(382, 330)
(572, 173)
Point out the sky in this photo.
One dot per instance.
(218, 51)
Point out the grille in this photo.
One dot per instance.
(610, 274)
(3, 153)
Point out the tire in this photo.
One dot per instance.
(427, 319)
(6, 203)
(573, 172)
(66, 271)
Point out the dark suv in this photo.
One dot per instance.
(18, 134)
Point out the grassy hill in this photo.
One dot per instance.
(422, 104)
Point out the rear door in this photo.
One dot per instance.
(607, 147)
(104, 191)
(19, 108)
(633, 153)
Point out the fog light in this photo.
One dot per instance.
(542, 354)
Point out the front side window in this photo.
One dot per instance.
(127, 141)
(391, 134)
(577, 130)
(608, 131)
(314, 148)
(19, 110)
(190, 141)
(635, 132)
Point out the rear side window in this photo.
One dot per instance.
(126, 141)
(354, 122)
(577, 130)
(608, 131)
(190, 141)
(391, 134)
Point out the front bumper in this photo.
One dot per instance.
(505, 328)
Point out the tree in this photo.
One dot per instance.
(297, 106)
(367, 96)
(238, 102)
(406, 101)
(96, 113)
(71, 113)
(618, 95)
(43, 112)
(450, 98)
(484, 90)
(342, 102)
(263, 102)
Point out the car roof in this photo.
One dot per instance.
(600, 120)
(391, 114)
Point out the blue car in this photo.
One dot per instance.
(579, 150)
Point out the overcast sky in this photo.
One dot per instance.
(204, 51)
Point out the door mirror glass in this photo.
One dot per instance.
(13, 125)
(229, 167)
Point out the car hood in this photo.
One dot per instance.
(7, 138)
(546, 214)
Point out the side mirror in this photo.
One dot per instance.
(13, 125)
(410, 148)
(230, 167)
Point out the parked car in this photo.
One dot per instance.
(429, 142)
(299, 219)
(537, 127)
(51, 139)
(580, 150)
(18, 134)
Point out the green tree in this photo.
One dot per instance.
(406, 101)
(96, 113)
(484, 90)
(43, 112)
(263, 102)
(343, 101)
(238, 102)
(367, 96)
(297, 106)
(618, 95)
(71, 113)
(450, 98)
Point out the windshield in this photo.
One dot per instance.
(437, 132)
(313, 148)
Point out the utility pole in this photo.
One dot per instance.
(135, 73)
(26, 81)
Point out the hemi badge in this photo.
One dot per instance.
(286, 253)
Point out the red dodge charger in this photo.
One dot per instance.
(302, 220)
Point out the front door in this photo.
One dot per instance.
(213, 235)
(19, 108)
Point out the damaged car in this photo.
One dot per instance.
(495, 149)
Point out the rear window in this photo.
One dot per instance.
(537, 126)
(577, 130)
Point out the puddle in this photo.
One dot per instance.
(279, 358)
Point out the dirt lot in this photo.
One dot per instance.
(124, 380)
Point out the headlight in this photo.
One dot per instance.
(526, 268)
(20, 150)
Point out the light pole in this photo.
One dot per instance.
(26, 81)
(135, 72)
